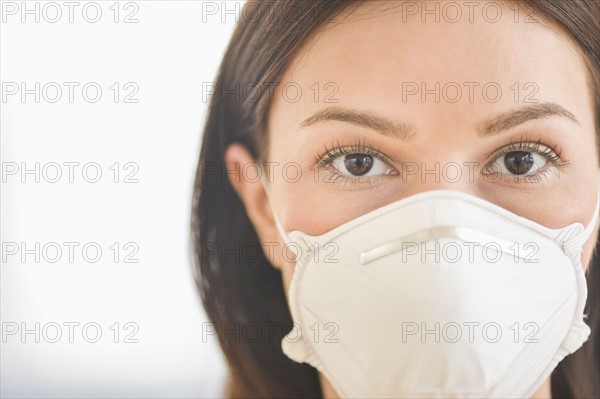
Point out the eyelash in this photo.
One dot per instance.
(551, 152)
(331, 153)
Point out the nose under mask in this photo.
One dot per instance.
(440, 294)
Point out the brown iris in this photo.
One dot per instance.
(358, 164)
(519, 162)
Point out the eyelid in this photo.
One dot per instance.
(359, 147)
(549, 153)
(526, 142)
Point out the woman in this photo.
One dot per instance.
(349, 132)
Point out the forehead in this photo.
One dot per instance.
(376, 52)
(407, 36)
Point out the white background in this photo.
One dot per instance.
(168, 54)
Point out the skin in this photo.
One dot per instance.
(368, 56)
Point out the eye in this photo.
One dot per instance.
(522, 159)
(520, 163)
(356, 163)
(359, 165)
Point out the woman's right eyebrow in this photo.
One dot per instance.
(402, 131)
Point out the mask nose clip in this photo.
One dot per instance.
(462, 233)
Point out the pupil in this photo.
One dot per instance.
(358, 164)
(518, 162)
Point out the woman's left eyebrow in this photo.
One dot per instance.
(511, 119)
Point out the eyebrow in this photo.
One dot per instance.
(402, 131)
(512, 119)
(406, 131)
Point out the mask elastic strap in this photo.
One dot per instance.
(265, 184)
(575, 244)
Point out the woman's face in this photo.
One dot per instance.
(392, 106)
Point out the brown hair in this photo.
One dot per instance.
(237, 292)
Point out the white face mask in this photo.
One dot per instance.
(440, 294)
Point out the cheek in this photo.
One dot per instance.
(304, 206)
(555, 207)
